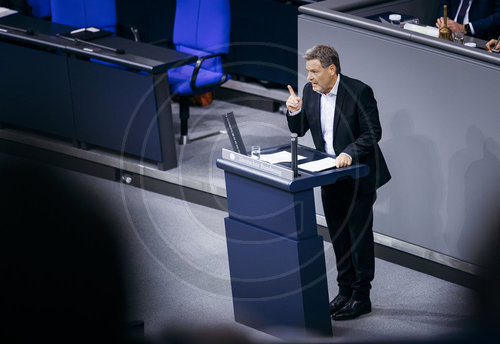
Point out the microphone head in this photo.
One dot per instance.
(120, 51)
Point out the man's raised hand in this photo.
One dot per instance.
(293, 102)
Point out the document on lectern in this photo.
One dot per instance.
(4, 12)
(282, 156)
(318, 165)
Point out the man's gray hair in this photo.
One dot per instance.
(325, 54)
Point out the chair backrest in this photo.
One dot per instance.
(84, 13)
(201, 27)
(40, 8)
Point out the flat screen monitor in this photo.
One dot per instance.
(234, 133)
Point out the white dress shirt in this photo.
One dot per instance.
(327, 116)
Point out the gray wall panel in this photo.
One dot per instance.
(441, 134)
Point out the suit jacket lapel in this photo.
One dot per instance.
(317, 114)
(338, 106)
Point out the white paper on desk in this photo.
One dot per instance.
(4, 12)
(282, 156)
(425, 30)
(318, 165)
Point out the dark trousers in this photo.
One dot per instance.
(349, 216)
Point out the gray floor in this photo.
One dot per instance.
(181, 275)
(177, 261)
(197, 160)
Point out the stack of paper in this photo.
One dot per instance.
(318, 165)
(282, 156)
(4, 12)
(426, 30)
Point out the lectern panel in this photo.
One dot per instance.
(286, 213)
(276, 281)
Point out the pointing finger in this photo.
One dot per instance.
(292, 93)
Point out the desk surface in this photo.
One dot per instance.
(330, 10)
(138, 55)
(306, 180)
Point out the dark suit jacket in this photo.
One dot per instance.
(356, 128)
(484, 16)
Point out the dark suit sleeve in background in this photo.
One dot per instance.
(486, 25)
(484, 15)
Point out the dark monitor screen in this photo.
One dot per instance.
(234, 133)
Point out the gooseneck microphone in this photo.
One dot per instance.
(294, 148)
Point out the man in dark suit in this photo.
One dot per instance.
(343, 118)
(478, 18)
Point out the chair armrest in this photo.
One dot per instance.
(197, 69)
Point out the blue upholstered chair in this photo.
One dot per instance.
(40, 8)
(83, 13)
(201, 28)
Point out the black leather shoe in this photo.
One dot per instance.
(353, 309)
(338, 302)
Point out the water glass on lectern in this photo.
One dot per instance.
(255, 153)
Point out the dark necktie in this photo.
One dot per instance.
(461, 13)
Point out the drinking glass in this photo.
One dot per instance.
(255, 153)
(458, 37)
